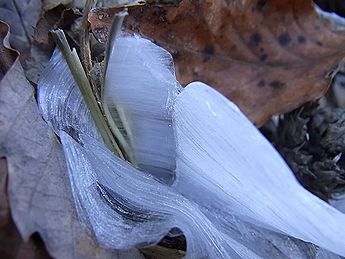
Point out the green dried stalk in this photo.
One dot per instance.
(115, 29)
(82, 81)
(85, 53)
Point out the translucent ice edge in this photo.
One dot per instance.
(331, 16)
(147, 70)
(124, 207)
(242, 174)
(233, 195)
(60, 100)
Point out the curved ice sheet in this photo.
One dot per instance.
(60, 100)
(124, 207)
(141, 85)
(225, 164)
(236, 190)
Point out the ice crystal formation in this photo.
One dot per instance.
(199, 165)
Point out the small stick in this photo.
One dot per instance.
(82, 81)
(85, 54)
(114, 31)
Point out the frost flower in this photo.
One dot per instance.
(199, 165)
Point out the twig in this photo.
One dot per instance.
(115, 29)
(78, 73)
(85, 54)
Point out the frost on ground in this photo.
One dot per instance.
(201, 166)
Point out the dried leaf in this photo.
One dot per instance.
(58, 17)
(158, 252)
(267, 56)
(4, 208)
(100, 20)
(310, 138)
(51, 4)
(8, 234)
(22, 17)
(42, 43)
(11, 243)
(39, 191)
(8, 55)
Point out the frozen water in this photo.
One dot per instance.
(124, 207)
(121, 206)
(224, 163)
(60, 100)
(233, 196)
(139, 68)
(339, 203)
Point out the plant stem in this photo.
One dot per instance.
(85, 54)
(115, 29)
(81, 80)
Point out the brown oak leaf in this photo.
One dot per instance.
(267, 56)
(39, 192)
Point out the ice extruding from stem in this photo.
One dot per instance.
(234, 197)
(140, 85)
(60, 100)
(231, 167)
(113, 199)
(124, 207)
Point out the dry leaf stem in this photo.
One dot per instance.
(115, 29)
(85, 54)
(79, 75)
